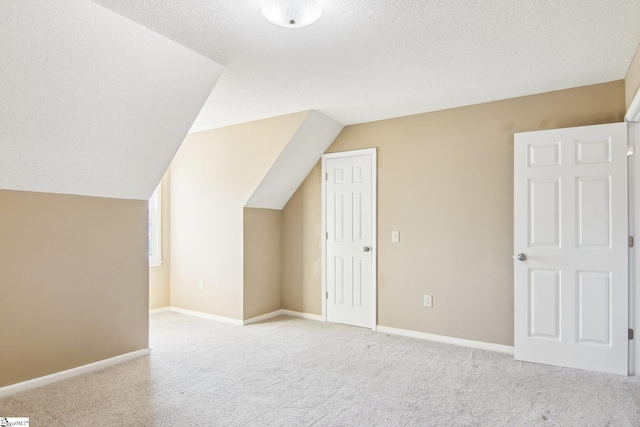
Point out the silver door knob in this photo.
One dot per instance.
(521, 257)
(366, 249)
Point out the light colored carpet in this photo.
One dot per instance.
(295, 372)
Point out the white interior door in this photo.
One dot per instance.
(349, 200)
(571, 245)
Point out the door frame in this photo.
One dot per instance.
(633, 168)
(374, 227)
(632, 117)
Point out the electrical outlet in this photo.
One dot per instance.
(201, 285)
(428, 301)
(395, 236)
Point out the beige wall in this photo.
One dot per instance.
(262, 255)
(73, 281)
(301, 248)
(445, 180)
(212, 177)
(632, 80)
(159, 276)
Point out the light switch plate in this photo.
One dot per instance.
(428, 301)
(395, 236)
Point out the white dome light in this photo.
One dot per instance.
(291, 13)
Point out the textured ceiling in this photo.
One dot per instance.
(366, 60)
(92, 103)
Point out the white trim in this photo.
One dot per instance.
(69, 373)
(309, 316)
(634, 254)
(222, 319)
(237, 322)
(283, 312)
(155, 259)
(374, 227)
(374, 234)
(447, 340)
(633, 113)
(262, 317)
(323, 238)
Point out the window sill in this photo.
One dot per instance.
(155, 264)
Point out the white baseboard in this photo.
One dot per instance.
(384, 329)
(284, 312)
(239, 322)
(262, 317)
(447, 340)
(302, 315)
(222, 319)
(159, 310)
(69, 373)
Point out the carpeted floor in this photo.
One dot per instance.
(295, 372)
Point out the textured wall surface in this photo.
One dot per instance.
(445, 180)
(212, 177)
(74, 282)
(302, 247)
(262, 261)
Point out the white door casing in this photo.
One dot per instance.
(634, 254)
(633, 119)
(349, 228)
(571, 223)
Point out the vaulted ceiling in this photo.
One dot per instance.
(92, 103)
(97, 96)
(366, 60)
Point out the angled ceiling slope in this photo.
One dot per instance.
(299, 156)
(92, 103)
(367, 60)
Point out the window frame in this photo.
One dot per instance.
(155, 228)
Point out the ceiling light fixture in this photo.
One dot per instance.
(291, 13)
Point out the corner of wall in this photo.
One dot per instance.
(441, 183)
(212, 177)
(75, 272)
(632, 79)
(262, 261)
(301, 247)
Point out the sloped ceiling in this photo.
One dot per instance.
(299, 156)
(92, 103)
(367, 60)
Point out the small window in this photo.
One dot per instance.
(155, 227)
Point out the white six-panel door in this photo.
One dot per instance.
(350, 238)
(571, 246)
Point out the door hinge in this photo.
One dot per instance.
(326, 176)
(629, 150)
(327, 297)
(327, 236)
(630, 241)
(630, 334)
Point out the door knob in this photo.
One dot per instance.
(366, 249)
(521, 257)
